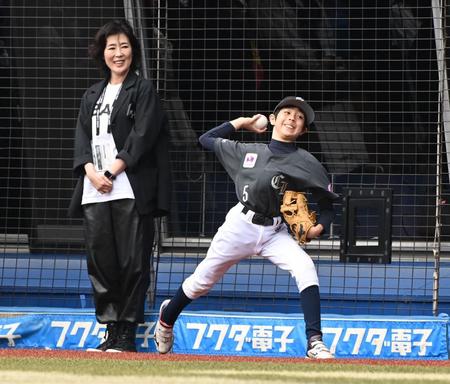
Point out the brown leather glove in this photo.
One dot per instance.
(297, 215)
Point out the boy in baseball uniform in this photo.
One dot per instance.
(261, 173)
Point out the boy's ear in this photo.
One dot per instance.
(272, 119)
(305, 130)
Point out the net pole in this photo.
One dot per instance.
(442, 131)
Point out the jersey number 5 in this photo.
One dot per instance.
(245, 193)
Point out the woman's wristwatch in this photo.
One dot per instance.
(109, 175)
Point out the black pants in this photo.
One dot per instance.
(119, 250)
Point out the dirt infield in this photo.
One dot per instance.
(69, 354)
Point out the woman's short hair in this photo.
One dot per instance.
(115, 27)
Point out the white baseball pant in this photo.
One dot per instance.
(237, 239)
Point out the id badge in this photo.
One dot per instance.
(104, 153)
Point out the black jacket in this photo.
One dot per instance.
(140, 129)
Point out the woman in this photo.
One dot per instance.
(121, 158)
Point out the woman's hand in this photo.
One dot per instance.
(248, 123)
(100, 182)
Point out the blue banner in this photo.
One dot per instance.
(220, 333)
(284, 336)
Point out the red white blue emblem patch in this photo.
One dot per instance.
(250, 160)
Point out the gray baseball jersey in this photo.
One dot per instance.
(261, 177)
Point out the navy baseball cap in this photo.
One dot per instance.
(300, 103)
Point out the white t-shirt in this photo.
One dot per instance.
(104, 150)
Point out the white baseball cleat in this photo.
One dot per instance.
(318, 350)
(163, 333)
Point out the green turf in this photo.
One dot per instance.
(156, 371)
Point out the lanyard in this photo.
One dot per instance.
(98, 107)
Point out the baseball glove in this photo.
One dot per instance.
(297, 215)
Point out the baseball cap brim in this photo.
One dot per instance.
(300, 103)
